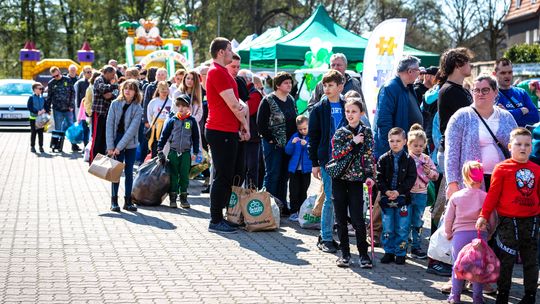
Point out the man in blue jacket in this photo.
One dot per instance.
(397, 104)
(511, 98)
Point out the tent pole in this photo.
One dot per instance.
(250, 64)
(275, 67)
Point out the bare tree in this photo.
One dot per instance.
(489, 18)
(461, 20)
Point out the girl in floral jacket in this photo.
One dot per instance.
(352, 144)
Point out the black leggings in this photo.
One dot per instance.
(224, 148)
(35, 131)
(348, 196)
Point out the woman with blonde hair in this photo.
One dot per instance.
(123, 121)
(158, 111)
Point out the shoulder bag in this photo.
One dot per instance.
(149, 131)
(504, 150)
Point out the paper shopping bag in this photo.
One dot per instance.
(257, 209)
(106, 168)
(234, 210)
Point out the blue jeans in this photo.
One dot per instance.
(276, 175)
(396, 224)
(62, 120)
(143, 143)
(128, 157)
(416, 209)
(327, 215)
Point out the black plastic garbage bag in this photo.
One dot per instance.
(151, 183)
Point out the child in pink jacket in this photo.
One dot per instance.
(426, 171)
(461, 214)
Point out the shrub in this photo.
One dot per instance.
(523, 53)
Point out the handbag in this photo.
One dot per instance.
(336, 168)
(149, 131)
(504, 150)
(106, 168)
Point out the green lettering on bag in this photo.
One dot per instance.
(234, 200)
(255, 207)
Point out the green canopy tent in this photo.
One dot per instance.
(271, 35)
(289, 51)
(291, 48)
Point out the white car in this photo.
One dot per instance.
(14, 94)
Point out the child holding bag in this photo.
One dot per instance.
(352, 144)
(462, 211)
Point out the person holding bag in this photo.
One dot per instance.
(37, 106)
(353, 145)
(123, 121)
(158, 111)
(481, 125)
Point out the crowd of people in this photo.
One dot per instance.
(433, 131)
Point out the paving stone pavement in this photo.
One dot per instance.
(59, 243)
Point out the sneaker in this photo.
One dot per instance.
(400, 260)
(41, 150)
(365, 261)
(294, 217)
(206, 190)
(327, 246)
(440, 269)
(388, 258)
(350, 230)
(418, 254)
(32, 149)
(234, 225)
(344, 261)
(221, 227)
(75, 148)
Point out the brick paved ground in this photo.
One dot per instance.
(60, 244)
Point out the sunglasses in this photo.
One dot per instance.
(56, 76)
(88, 72)
(40, 89)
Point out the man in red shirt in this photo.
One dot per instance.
(518, 208)
(225, 127)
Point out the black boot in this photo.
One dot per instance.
(528, 298)
(183, 200)
(172, 199)
(128, 205)
(114, 204)
(502, 297)
(75, 148)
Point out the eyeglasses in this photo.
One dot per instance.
(40, 89)
(88, 72)
(484, 91)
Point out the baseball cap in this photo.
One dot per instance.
(432, 70)
(184, 98)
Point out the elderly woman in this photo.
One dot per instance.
(468, 137)
(277, 123)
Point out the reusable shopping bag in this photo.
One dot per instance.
(476, 262)
(106, 168)
(260, 211)
(75, 133)
(305, 217)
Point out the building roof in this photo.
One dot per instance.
(526, 9)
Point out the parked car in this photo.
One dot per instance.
(14, 95)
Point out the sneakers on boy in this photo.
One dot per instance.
(400, 260)
(294, 217)
(418, 254)
(221, 227)
(440, 269)
(365, 261)
(388, 258)
(327, 246)
(344, 261)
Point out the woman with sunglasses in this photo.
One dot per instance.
(37, 106)
(468, 138)
(123, 121)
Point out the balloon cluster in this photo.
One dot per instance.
(317, 58)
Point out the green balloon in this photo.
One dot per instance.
(360, 67)
(301, 105)
(309, 56)
(312, 83)
(321, 55)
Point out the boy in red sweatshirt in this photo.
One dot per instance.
(515, 195)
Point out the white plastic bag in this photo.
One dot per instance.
(440, 248)
(275, 212)
(305, 218)
(87, 152)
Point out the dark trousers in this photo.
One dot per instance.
(348, 196)
(240, 168)
(518, 235)
(99, 128)
(224, 147)
(143, 143)
(33, 133)
(251, 158)
(86, 132)
(276, 175)
(298, 186)
(126, 156)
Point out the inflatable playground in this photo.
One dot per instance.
(146, 47)
(33, 68)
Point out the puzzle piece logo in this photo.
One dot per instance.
(386, 46)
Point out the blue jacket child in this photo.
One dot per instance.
(299, 154)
